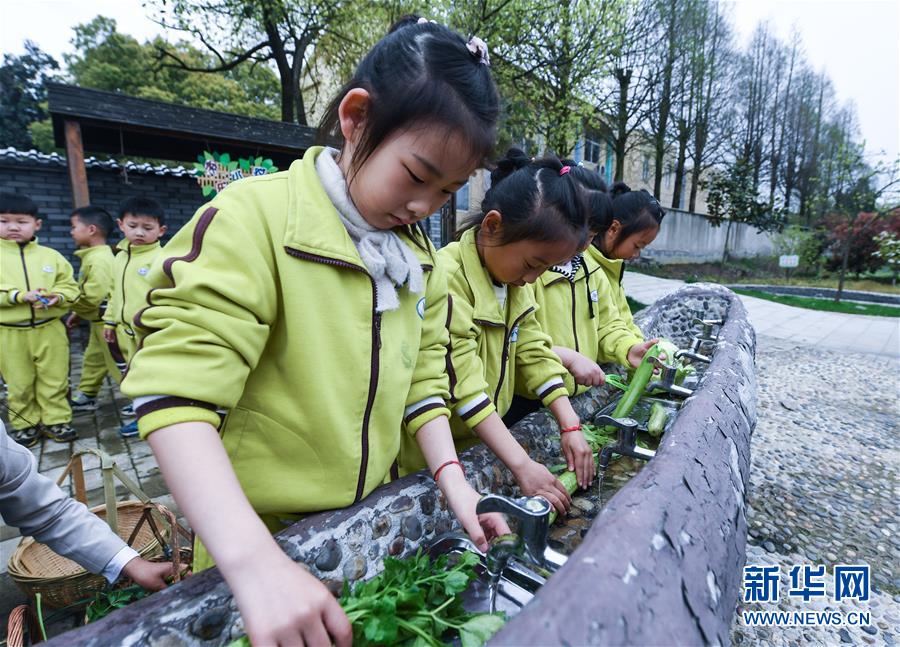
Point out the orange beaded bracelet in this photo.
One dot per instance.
(566, 430)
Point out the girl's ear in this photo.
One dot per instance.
(352, 114)
(492, 224)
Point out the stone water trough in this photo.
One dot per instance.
(659, 563)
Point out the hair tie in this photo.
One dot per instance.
(479, 48)
(564, 170)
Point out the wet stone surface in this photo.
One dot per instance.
(823, 486)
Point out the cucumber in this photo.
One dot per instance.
(570, 482)
(657, 421)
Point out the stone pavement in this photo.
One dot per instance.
(826, 330)
(96, 430)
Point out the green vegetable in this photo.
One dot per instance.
(570, 482)
(636, 386)
(415, 602)
(657, 421)
(106, 602)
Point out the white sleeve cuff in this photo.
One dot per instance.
(114, 567)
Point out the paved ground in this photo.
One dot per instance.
(826, 330)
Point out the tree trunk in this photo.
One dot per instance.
(845, 261)
(683, 134)
(665, 101)
(623, 77)
(725, 246)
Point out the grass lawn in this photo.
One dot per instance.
(826, 304)
(634, 305)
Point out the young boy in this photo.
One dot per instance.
(90, 227)
(34, 504)
(143, 222)
(36, 288)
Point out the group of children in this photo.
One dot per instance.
(40, 298)
(345, 349)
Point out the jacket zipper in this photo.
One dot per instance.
(374, 365)
(27, 283)
(124, 270)
(574, 318)
(506, 351)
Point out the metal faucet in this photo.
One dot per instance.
(626, 440)
(666, 381)
(533, 515)
(693, 353)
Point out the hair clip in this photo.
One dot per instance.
(564, 170)
(425, 21)
(479, 48)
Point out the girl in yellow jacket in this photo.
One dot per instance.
(532, 218)
(309, 305)
(634, 223)
(579, 308)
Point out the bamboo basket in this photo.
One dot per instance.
(35, 568)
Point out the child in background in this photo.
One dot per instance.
(532, 218)
(36, 288)
(39, 508)
(578, 310)
(143, 222)
(633, 224)
(309, 305)
(90, 228)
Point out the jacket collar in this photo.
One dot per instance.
(487, 307)
(550, 277)
(613, 267)
(85, 252)
(125, 245)
(13, 244)
(313, 223)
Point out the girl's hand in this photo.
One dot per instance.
(462, 499)
(536, 480)
(579, 458)
(52, 300)
(283, 604)
(72, 320)
(150, 575)
(586, 371)
(109, 334)
(636, 353)
(32, 296)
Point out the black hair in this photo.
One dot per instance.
(589, 179)
(535, 200)
(420, 72)
(596, 197)
(96, 216)
(141, 206)
(635, 210)
(19, 204)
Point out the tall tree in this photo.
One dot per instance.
(22, 94)
(670, 12)
(278, 32)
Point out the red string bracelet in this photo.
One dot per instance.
(437, 472)
(565, 430)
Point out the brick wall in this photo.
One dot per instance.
(48, 186)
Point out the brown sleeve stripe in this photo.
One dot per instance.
(196, 246)
(170, 402)
(479, 407)
(550, 389)
(418, 412)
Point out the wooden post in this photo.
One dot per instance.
(75, 162)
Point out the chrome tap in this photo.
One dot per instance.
(533, 515)
(693, 353)
(626, 440)
(666, 381)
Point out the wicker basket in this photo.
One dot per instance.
(60, 581)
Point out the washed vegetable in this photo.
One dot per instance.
(415, 602)
(657, 421)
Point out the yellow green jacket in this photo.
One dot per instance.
(492, 349)
(615, 270)
(582, 315)
(94, 282)
(29, 266)
(130, 283)
(264, 307)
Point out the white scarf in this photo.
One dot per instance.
(390, 261)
